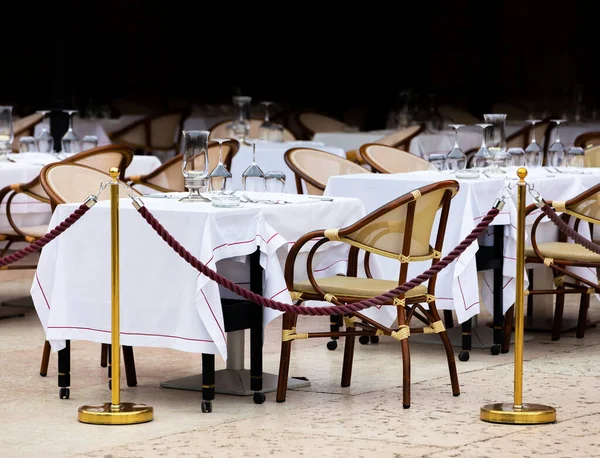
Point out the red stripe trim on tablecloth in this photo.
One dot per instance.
(130, 333)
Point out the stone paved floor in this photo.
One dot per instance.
(365, 419)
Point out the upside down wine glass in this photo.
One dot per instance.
(195, 164)
(456, 158)
(483, 157)
(496, 142)
(253, 178)
(70, 141)
(239, 128)
(268, 129)
(44, 141)
(534, 153)
(557, 151)
(220, 176)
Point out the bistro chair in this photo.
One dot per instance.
(311, 123)
(560, 255)
(24, 127)
(386, 159)
(312, 168)
(168, 177)
(401, 138)
(399, 230)
(155, 133)
(592, 157)
(220, 130)
(457, 115)
(65, 182)
(587, 140)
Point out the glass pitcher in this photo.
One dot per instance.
(495, 139)
(195, 164)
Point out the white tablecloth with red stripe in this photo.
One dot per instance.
(457, 286)
(164, 301)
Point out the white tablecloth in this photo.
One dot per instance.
(30, 212)
(456, 285)
(164, 301)
(269, 157)
(349, 141)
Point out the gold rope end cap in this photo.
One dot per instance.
(113, 172)
(522, 173)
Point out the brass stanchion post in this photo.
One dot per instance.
(115, 412)
(517, 412)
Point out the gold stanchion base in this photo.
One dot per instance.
(529, 414)
(128, 414)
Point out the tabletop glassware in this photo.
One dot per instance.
(89, 142)
(220, 177)
(195, 164)
(253, 178)
(275, 182)
(70, 141)
(27, 145)
(495, 139)
(6, 128)
(268, 129)
(516, 156)
(438, 161)
(575, 159)
(534, 153)
(239, 128)
(44, 140)
(456, 158)
(483, 157)
(557, 151)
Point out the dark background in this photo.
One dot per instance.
(332, 57)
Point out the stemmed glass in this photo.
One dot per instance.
(220, 176)
(240, 127)
(534, 153)
(575, 159)
(195, 164)
(70, 141)
(495, 139)
(270, 130)
(253, 178)
(557, 151)
(456, 158)
(483, 156)
(6, 132)
(44, 141)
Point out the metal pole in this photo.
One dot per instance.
(115, 412)
(517, 412)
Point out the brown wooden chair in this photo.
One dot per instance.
(401, 138)
(592, 156)
(313, 167)
(220, 130)
(24, 127)
(399, 230)
(587, 140)
(386, 159)
(168, 177)
(311, 123)
(560, 255)
(155, 133)
(73, 182)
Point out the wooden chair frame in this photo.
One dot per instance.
(286, 132)
(370, 160)
(583, 140)
(407, 307)
(308, 132)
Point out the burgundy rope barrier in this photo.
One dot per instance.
(330, 310)
(46, 239)
(569, 231)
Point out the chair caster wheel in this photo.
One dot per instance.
(259, 398)
(374, 339)
(206, 406)
(464, 355)
(495, 350)
(64, 393)
(364, 340)
(331, 345)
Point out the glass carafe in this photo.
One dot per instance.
(495, 139)
(195, 164)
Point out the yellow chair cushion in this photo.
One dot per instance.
(356, 287)
(564, 251)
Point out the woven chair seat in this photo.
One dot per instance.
(564, 251)
(34, 231)
(355, 287)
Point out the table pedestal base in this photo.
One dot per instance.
(236, 382)
(10, 312)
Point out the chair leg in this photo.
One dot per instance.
(208, 382)
(129, 363)
(584, 304)
(45, 359)
(405, 361)
(530, 297)
(448, 319)
(507, 332)
(103, 355)
(449, 352)
(289, 321)
(349, 342)
(558, 313)
(334, 326)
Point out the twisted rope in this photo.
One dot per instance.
(46, 239)
(569, 231)
(330, 310)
